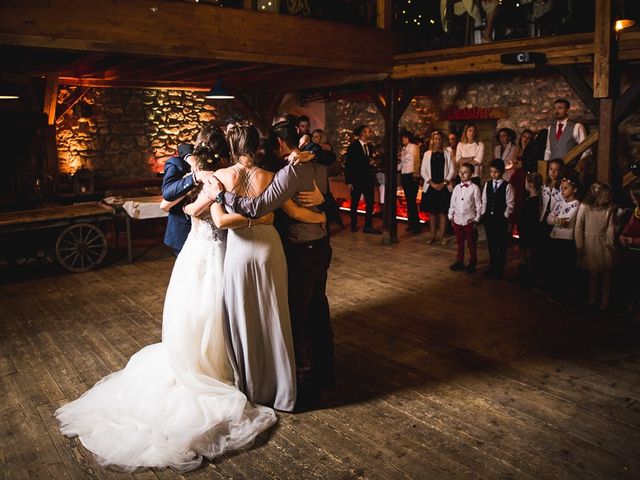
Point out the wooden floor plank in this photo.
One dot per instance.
(439, 374)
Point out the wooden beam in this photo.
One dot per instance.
(384, 12)
(51, 151)
(606, 140)
(574, 49)
(603, 49)
(195, 70)
(378, 100)
(138, 27)
(319, 80)
(389, 221)
(149, 71)
(71, 102)
(580, 86)
(627, 102)
(51, 98)
(274, 106)
(160, 85)
(487, 63)
(249, 111)
(628, 179)
(579, 149)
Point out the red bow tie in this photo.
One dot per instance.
(465, 185)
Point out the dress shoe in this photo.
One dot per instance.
(471, 268)
(457, 266)
(372, 230)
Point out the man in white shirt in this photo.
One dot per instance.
(409, 167)
(564, 134)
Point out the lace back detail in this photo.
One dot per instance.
(203, 228)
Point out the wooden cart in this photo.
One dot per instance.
(74, 231)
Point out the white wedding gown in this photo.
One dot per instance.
(174, 402)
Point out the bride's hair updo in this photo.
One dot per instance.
(211, 153)
(211, 150)
(244, 140)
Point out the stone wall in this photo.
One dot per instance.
(131, 132)
(526, 99)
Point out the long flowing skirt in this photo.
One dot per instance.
(174, 402)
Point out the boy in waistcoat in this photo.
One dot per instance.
(497, 205)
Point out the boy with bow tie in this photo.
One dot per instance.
(464, 213)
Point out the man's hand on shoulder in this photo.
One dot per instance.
(296, 157)
(203, 176)
(212, 187)
(311, 198)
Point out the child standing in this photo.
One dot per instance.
(497, 205)
(529, 229)
(594, 235)
(562, 244)
(551, 189)
(464, 213)
(630, 241)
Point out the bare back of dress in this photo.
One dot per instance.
(256, 302)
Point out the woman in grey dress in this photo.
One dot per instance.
(255, 285)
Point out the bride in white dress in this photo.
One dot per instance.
(175, 401)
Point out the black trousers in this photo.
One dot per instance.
(308, 266)
(410, 187)
(564, 280)
(367, 191)
(496, 228)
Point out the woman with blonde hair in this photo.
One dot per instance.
(437, 171)
(471, 150)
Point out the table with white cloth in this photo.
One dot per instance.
(136, 208)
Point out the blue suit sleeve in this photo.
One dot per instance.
(174, 185)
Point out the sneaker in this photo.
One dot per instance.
(457, 266)
(471, 268)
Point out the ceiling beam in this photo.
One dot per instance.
(168, 29)
(560, 50)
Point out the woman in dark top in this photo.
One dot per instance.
(437, 171)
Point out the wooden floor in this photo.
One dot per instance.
(440, 374)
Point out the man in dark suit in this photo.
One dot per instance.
(176, 183)
(359, 178)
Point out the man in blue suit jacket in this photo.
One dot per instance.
(175, 184)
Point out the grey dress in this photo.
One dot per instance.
(257, 308)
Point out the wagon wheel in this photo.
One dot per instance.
(81, 247)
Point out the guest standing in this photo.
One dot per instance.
(530, 232)
(594, 234)
(562, 246)
(630, 241)
(471, 150)
(410, 176)
(359, 178)
(506, 150)
(564, 134)
(497, 205)
(437, 172)
(465, 210)
(526, 153)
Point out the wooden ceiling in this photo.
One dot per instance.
(93, 69)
